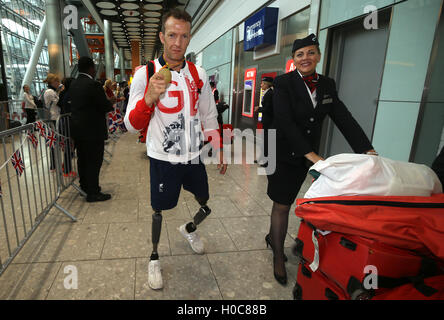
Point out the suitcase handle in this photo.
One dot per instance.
(306, 272)
(348, 244)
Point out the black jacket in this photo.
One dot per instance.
(299, 125)
(89, 107)
(221, 108)
(267, 109)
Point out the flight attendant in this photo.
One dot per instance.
(302, 99)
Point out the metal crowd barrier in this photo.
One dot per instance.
(116, 129)
(37, 165)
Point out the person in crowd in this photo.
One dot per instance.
(65, 127)
(119, 95)
(30, 106)
(126, 91)
(438, 166)
(52, 95)
(215, 92)
(301, 101)
(174, 158)
(110, 95)
(65, 101)
(265, 111)
(89, 105)
(51, 99)
(108, 87)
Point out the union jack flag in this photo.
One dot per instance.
(34, 141)
(51, 139)
(119, 118)
(17, 163)
(112, 128)
(62, 143)
(111, 123)
(41, 127)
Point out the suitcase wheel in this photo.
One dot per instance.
(356, 291)
(298, 248)
(297, 292)
(330, 295)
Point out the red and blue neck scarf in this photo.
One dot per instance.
(311, 81)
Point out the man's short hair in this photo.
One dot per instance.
(85, 63)
(177, 14)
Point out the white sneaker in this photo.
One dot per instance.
(193, 239)
(154, 275)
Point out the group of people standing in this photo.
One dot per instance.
(88, 102)
(117, 93)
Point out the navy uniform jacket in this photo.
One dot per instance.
(298, 124)
(267, 109)
(89, 107)
(438, 166)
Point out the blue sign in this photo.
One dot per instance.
(261, 29)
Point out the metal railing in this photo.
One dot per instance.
(37, 164)
(35, 158)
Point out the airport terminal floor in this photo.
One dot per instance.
(111, 242)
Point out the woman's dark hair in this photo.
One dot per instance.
(177, 14)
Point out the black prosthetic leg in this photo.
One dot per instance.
(200, 216)
(156, 230)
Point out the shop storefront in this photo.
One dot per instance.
(384, 55)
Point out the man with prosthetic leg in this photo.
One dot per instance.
(172, 105)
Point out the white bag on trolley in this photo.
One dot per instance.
(366, 175)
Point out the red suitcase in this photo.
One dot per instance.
(408, 223)
(344, 258)
(316, 286)
(431, 289)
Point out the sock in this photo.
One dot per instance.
(154, 256)
(190, 227)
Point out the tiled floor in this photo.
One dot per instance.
(111, 242)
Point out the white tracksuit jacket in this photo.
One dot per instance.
(175, 130)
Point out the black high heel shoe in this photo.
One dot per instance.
(281, 279)
(269, 245)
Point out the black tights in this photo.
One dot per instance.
(278, 232)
